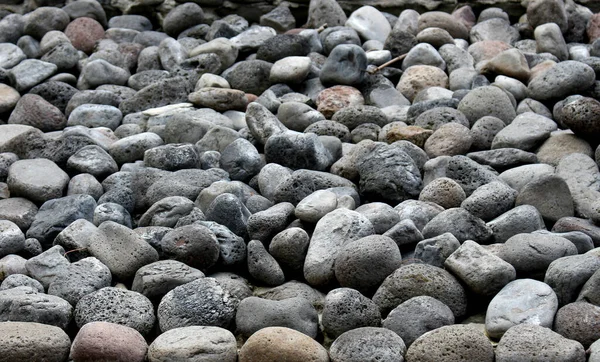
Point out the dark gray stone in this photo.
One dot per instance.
(24, 304)
(203, 301)
(157, 279)
(365, 343)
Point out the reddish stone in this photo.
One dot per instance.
(84, 33)
(33, 110)
(593, 28)
(103, 341)
(333, 99)
(465, 15)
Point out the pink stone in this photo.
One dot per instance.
(84, 33)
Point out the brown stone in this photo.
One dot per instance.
(8, 98)
(220, 99)
(282, 344)
(419, 77)
(103, 341)
(84, 33)
(333, 99)
(511, 63)
(33, 110)
(414, 134)
(465, 15)
(438, 19)
(487, 49)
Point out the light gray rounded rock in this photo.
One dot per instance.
(132, 148)
(38, 180)
(457, 342)
(365, 343)
(568, 275)
(563, 79)
(462, 224)
(530, 342)
(521, 219)
(483, 272)
(333, 231)
(531, 254)
(12, 239)
(434, 251)
(194, 344)
(93, 160)
(21, 280)
(24, 304)
(526, 132)
(523, 301)
(419, 212)
(22, 340)
(487, 101)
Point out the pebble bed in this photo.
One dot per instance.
(311, 184)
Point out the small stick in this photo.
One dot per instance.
(387, 63)
(321, 28)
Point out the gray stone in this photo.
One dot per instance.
(79, 279)
(54, 215)
(495, 29)
(487, 101)
(22, 340)
(550, 195)
(325, 12)
(527, 131)
(12, 239)
(503, 158)
(99, 72)
(523, 301)
(363, 343)
(443, 191)
(119, 306)
(95, 115)
(458, 342)
(490, 200)
(423, 54)
(581, 174)
(346, 65)
(21, 280)
(316, 205)
(333, 231)
(405, 232)
(531, 254)
(262, 266)
(565, 78)
(182, 17)
(459, 222)
(302, 183)
(232, 248)
(194, 245)
(263, 225)
(364, 263)
(121, 250)
(413, 280)
(549, 39)
(289, 248)
(419, 212)
(567, 275)
(194, 343)
(48, 265)
(203, 301)
(157, 279)
(38, 180)
(24, 304)
(346, 309)
(521, 219)
(132, 148)
(518, 177)
(434, 251)
(530, 342)
(483, 272)
(227, 209)
(296, 313)
(262, 123)
(10, 55)
(30, 73)
(417, 316)
(93, 160)
(468, 173)
(578, 321)
(33, 110)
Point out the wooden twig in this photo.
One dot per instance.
(375, 70)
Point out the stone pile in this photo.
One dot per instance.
(176, 185)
